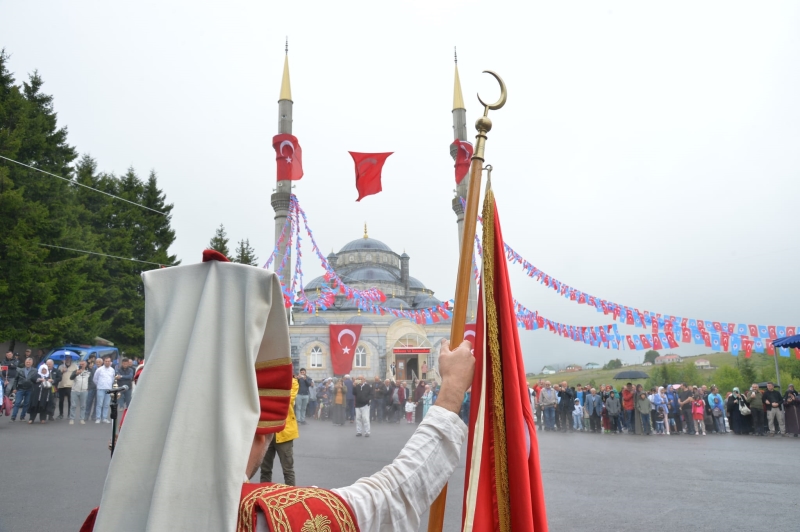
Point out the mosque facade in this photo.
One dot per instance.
(388, 346)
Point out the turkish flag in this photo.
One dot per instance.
(706, 338)
(790, 331)
(631, 345)
(726, 341)
(464, 152)
(657, 342)
(772, 333)
(753, 331)
(717, 326)
(671, 339)
(289, 157)
(747, 345)
(645, 341)
(629, 317)
(686, 335)
(770, 347)
(368, 172)
(344, 339)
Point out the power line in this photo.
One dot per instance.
(71, 182)
(103, 255)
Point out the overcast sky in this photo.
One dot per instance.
(648, 154)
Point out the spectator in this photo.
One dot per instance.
(643, 408)
(755, 400)
(594, 404)
(124, 377)
(773, 406)
(362, 393)
(399, 396)
(557, 389)
(577, 416)
(662, 407)
(91, 393)
(566, 400)
(24, 383)
(674, 403)
(791, 411)
(427, 400)
(548, 399)
(64, 384)
(410, 407)
(376, 407)
(685, 398)
(282, 444)
(536, 389)
(305, 384)
(738, 421)
(78, 392)
(338, 402)
(42, 397)
(629, 407)
(351, 413)
(9, 375)
(419, 391)
(717, 406)
(104, 379)
(613, 407)
(424, 370)
(699, 414)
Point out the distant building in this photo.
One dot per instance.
(592, 365)
(547, 370)
(573, 367)
(647, 364)
(702, 363)
(668, 359)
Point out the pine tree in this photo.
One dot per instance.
(219, 242)
(245, 254)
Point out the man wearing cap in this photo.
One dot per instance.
(184, 459)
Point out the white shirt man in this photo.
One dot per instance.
(104, 379)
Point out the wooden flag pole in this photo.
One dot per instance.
(483, 125)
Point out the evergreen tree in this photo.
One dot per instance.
(219, 242)
(245, 254)
(747, 370)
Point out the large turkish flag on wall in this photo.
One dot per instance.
(344, 339)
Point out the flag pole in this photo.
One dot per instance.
(483, 125)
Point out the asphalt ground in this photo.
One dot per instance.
(52, 475)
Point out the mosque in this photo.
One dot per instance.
(388, 347)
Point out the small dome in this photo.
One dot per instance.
(426, 302)
(404, 256)
(316, 320)
(414, 283)
(369, 274)
(365, 243)
(317, 282)
(394, 302)
(360, 319)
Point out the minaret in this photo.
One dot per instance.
(460, 133)
(283, 190)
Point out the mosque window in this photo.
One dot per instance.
(351, 258)
(369, 257)
(361, 357)
(315, 357)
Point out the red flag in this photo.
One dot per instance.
(706, 338)
(770, 347)
(671, 339)
(686, 335)
(463, 159)
(753, 331)
(726, 341)
(747, 344)
(657, 342)
(717, 326)
(790, 331)
(289, 157)
(503, 485)
(645, 341)
(772, 332)
(631, 345)
(344, 339)
(368, 172)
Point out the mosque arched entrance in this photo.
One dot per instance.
(410, 351)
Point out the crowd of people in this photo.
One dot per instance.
(36, 390)
(666, 410)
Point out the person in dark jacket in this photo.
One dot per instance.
(303, 396)
(362, 393)
(43, 400)
(9, 375)
(24, 383)
(376, 406)
(773, 406)
(351, 405)
(565, 407)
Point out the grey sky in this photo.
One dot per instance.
(647, 154)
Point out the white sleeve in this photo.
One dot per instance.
(394, 498)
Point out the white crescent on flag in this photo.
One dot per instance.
(467, 154)
(286, 143)
(347, 332)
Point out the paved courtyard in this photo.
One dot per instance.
(52, 475)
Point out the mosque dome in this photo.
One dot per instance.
(360, 319)
(394, 302)
(368, 273)
(365, 243)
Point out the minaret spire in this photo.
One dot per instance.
(458, 98)
(286, 85)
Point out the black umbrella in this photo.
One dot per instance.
(631, 374)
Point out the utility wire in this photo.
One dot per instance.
(103, 255)
(71, 182)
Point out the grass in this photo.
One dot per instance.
(606, 376)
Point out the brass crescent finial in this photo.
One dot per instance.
(503, 94)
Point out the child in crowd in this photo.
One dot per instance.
(411, 406)
(698, 412)
(659, 415)
(577, 416)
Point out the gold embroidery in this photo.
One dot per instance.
(272, 392)
(272, 363)
(276, 503)
(270, 424)
(319, 523)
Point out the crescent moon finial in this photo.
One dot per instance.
(503, 93)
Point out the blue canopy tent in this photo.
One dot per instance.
(787, 342)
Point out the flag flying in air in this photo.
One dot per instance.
(288, 156)
(368, 172)
(463, 159)
(503, 485)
